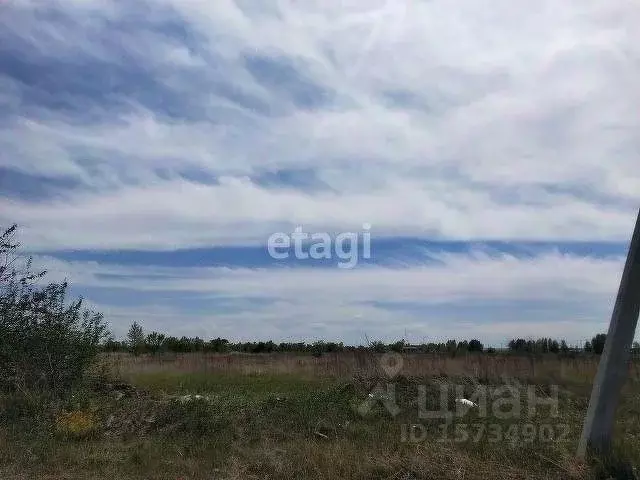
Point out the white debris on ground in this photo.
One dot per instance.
(466, 402)
(378, 395)
(190, 398)
(206, 398)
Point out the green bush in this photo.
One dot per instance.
(46, 343)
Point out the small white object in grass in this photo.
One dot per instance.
(188, 398)
(378, 395)
(465, 402)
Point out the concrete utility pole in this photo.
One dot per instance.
(613, 367)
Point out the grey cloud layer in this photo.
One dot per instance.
(428, 118)
(490, 296)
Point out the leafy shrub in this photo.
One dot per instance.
(46, 343)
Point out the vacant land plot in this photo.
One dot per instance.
(348, 415)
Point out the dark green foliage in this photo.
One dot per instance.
(540, 345)
(135, 339)
(156, 342)
(475, 346)
(46, 342)
(398, 346)
(597, 343)
(378, 347)
(112, 345)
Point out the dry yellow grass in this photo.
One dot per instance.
(552, 368)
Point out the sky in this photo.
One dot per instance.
(150, 149)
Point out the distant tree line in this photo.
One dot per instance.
(550, 345)
(137, 342)
(540, 345)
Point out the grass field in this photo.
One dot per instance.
(347, 415)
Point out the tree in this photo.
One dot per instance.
(518, 345)
(597, 343)
(112, 345)
(135, 338)
(154, 341)
(219, 345)
(475, 346)
(46, 342)
(378, 347)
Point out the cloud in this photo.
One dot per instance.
(491, 294)
(431, 118)
(178, 213)
(187, 124)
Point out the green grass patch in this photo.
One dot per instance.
(294, 427)
(250, 386)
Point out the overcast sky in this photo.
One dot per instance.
(149, 149)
